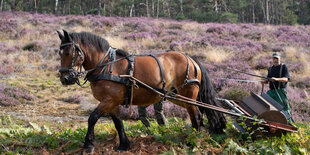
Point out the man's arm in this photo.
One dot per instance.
(273, 79)
(282, 79)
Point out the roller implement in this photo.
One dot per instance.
(264, 107)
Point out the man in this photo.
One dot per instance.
(278, 76)
(159, 113)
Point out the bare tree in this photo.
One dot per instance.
(99, 7)
(69, 11)
(56, 5)
(63, 7)
(166, 7)
(157, 12)
(181, 6)
(146, 4)
(215, 7)
(253, 11)
(131, 9)
(147, 8)
(267, 11)
(153, 8)
(1, 4)
(104, 6)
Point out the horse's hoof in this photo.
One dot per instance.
(122, 148)
(89, 150)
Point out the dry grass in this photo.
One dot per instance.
(192, 26)
(116, 42)
(216, 54)
(80, 29)
(293, 54)
(148, 43)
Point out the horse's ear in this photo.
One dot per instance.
(67, 36)
(61, 37)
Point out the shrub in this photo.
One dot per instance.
(228, 17)
(236, 94)
(32, 47)
(77, 98)
(14, 95)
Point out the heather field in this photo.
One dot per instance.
(39, 115)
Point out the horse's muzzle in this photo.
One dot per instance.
(69, 79)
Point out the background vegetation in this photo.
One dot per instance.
(245, 11)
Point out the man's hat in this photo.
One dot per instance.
(276, 55)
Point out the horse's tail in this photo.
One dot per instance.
(206, 94)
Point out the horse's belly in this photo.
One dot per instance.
(143, 96)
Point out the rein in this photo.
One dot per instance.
(239, 71)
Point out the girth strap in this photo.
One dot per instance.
(109, 77)
(161, 72)
(129, 92)
(187, 72)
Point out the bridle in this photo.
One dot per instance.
(74, 75)
(79, 52)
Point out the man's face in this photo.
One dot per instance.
(276, 61)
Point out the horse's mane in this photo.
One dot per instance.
(98, 42)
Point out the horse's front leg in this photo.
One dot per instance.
(124, 143)
(105, 106)
(90, 136)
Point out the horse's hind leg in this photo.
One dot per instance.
(195, 116)
(191, 91)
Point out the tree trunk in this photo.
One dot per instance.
(104, 6)
(147, 8)
(131, 10)
(69, 6)
(35, 6)
(263, 9)
(81, 9)
(181, 6)
(99, 8)
(56, 5)
(153, 8)
(166, 7)
(157, 11)
(1, 4)
(277, 13)
(63, 7)
(215, 6)
(253, 11)
(267, 12)
(13, 5)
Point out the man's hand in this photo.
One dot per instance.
(283, 79)
(265, 82)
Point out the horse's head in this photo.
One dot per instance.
(71, 56)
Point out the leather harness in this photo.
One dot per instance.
(107, 75)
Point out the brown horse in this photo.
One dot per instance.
(170, 73)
